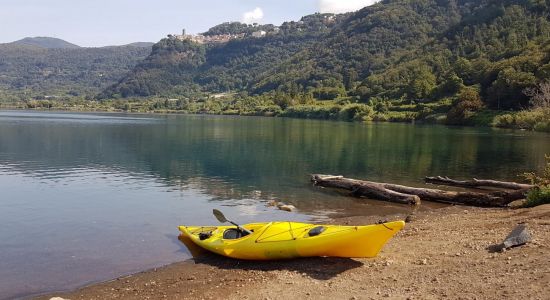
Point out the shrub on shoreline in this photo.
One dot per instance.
(541, 193)
(537, 119)
(538, 196)
(312, 112)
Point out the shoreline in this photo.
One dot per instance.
(175, 112)
(442, 253)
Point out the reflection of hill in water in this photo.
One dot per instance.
(235, 158)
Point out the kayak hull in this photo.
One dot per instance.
(286, 240)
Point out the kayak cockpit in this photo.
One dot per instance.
(234, 233)
(225, 232)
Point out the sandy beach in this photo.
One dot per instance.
(442, 253)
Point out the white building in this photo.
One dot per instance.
(258, 34)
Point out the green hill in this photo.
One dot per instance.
(393, 52)
(28, 70)
(46, 42)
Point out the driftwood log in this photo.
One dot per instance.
(475, 183)
(360, 188)
(412, 195)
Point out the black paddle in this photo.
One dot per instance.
(219, 215)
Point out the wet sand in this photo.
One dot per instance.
(442, 253)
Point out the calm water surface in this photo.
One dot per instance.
(88, 197)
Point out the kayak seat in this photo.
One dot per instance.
(316, 230)
(233, 234)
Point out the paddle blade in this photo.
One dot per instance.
(219, 215)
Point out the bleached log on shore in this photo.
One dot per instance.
(382, 191)
(365, 188)
(474, 183)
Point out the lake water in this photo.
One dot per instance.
(89, 197)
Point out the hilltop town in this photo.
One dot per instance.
(227, 31)
(219, 38)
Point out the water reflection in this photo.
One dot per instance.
(89, 197)
(265, 154)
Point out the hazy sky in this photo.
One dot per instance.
(115, 22)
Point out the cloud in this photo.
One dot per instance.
(342, 6)
(253, 16)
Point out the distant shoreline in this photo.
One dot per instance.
(179, 112)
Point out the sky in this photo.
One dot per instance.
(93, 23)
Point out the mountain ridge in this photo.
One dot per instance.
(46, 42)
(56, 43)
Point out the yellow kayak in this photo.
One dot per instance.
(284, 240)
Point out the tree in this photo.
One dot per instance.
(464, 70)
(422, 83)
(350, 77)
(465, 105)
(283, 100)
(451, 85)
(506, 92)
(540, 95)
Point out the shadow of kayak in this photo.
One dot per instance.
(320, 268)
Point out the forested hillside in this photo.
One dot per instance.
(453, 61)
(498, 47)
(178, 67)
(35, 71)
(425, 53)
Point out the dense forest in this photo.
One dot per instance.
(37, 71)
